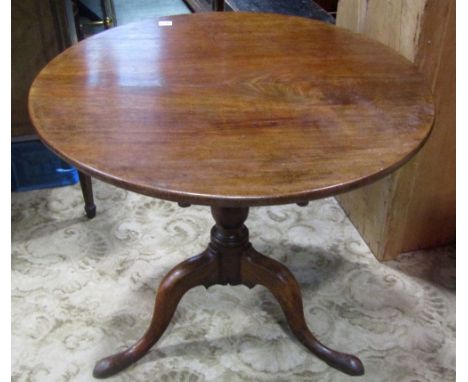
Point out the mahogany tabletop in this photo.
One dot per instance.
(232, 109)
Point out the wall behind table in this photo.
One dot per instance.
(414, 207)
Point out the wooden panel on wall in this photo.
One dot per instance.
(395, 23)
(414, 207)
(435, 207)
(351, 14)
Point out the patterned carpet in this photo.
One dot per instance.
(84, 289)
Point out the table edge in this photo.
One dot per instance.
(236, 201)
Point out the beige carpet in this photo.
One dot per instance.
(84, 289)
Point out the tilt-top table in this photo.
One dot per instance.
(231, 110)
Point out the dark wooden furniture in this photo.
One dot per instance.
(40, 31)
(268, 110)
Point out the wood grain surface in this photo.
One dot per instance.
(232, 109)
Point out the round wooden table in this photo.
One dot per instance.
(232, 110)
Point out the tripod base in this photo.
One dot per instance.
(229, 259)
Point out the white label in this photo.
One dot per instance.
(165, 23)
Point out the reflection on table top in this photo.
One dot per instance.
(236, 109)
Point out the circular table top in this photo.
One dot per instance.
(232, 109)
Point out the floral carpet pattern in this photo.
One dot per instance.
(84, 289)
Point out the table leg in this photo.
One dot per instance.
(229, 259)
(259, 269)
(198, 270)
(87, 190)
